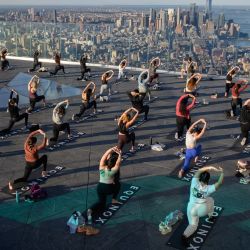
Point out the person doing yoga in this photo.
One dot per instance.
(57, 117)
(33, 96)
(136, 99)
(32, 158)
(87, 93)
(200, 203)
(193, 150)
(191, 66)
(105, 90)
(245, 122)
(58, 64)
(14, 112)
(84, 69)
(4, 62)
(192, 84)
(124, 123)
(143, 83)
(109, 166)
(183, 114)
(229, 79)
(154, 65)
(36, 62)
(236, 100)
(122, 67)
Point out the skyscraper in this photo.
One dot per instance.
(163, 20)
(193, 14)
(209, 9)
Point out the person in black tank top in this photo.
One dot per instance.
(87, 93)
(229, 79)
(14, 112)
(124, 123)
(105, 90)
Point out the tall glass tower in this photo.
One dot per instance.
(209, 9)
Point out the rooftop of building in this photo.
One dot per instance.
(42, 225)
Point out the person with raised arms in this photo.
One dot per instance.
(36, 62)
(32, 158)
(58, 65)
(200, 203)
(236, 90)
(193, 150)
(87, 94)
(84, 69)
(136, 99)
(4, 62)
(33, 96)
(143, 83)
(229, 79)
(192, 84)
(153, 66)
(124, 123)
(106, 86)
(14, 112)
(191, 66)
(109, 166)
(122, 67)
(58, 124)
(183, 118)
(245, 122)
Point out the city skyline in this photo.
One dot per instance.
(128, 2)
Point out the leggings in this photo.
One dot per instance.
(195, 211)
(14, 120)
(228, 87)
(104, 89)
(154, 76)
(190, 154)
(4, 64)
(181, 122)
(57, 128)
(144, 109)
(121, 74)
(83, 71)
(32, 165)
(126, 138)
(234, 103)
(245, 128)
(57, 68)
(35, 65)
(33, 101)
(103, 190)
(84, 107)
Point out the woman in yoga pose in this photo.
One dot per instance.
(192, 84)
(193, 150)
(229, 79)
(124, 123)
(200, 204)
(106, 86)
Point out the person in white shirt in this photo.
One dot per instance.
(194, 133)
(57, 118)
(143, 86)
(200, 204)
(122, 67)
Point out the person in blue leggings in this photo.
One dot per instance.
(193, 150)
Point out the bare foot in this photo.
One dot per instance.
(180, 174)
(196, 159)
(114, 201)
(10, 186)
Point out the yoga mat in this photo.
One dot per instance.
(127, 191)
(197, 240)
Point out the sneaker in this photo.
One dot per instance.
(243, 141)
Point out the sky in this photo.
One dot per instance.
(126, 2)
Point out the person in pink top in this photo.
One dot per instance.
(236, 100)
(183, 118)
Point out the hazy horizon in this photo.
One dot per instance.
(128, 2)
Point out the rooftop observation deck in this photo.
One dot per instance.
(42, 225)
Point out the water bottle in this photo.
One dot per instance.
(89, 216)
(17, 197)
(151, 140)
